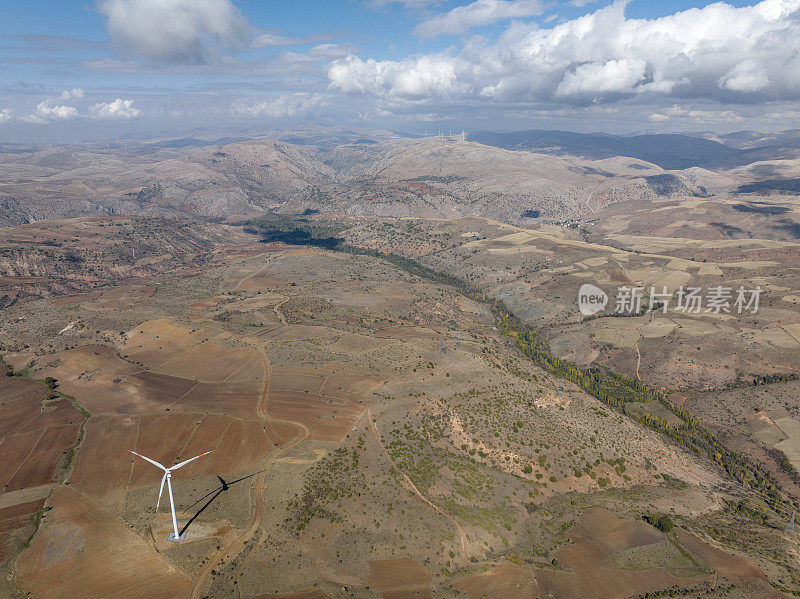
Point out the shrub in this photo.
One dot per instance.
(661, 521)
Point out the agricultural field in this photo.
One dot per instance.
(537, 272)
(374, 434)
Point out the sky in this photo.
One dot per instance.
(94, 68)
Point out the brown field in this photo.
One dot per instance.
(262, 280)
(506, 579)
(311, 594)
(238, 447)
(178, 351)
(406, 333)
(600, 536)
(285, 333)
(34, 434)
(399, 579)
(105, 475)
(328, 404)
(63, 560)
(37, 469)
(198, 310)
(747, 576)
(15, 525)
(108, 384)
(597, 537)
(67, 300)
(122, 298)
(327, 418)
(790, 446)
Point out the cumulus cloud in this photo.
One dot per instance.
(745, 77)
(119, 109)
(46, 112)
(175, 31)
(698, 115)
(477, 14)
(612, 76)
(434, 75)
(288, 106)
(719, 52)
(75, 92)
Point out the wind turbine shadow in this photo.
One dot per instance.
(224, 486)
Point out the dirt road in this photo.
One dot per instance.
(235, 544)
(411, 485)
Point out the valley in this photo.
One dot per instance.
(401, 400)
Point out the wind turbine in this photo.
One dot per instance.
(176, 536)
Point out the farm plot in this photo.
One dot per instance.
(35, 432)
(404, 333)
(102, 471)
(791, 444)
(283, 333)
(107, 384)
(598, 537)
(62, 561)
(401, 578)
(612, 557)
(328, 404)
(504, 580)
(196, 354)
(122, 298)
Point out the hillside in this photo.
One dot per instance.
(373, 432)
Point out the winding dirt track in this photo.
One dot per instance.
(638, 360)
(412, 486)
(235, 545)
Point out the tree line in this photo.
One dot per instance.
(612, 388)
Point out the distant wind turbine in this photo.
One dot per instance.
(176, 536)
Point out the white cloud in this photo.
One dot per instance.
(75, 92)
(119, 109)
(719, 52)
(319, 53)
(696, 115)
(425, 77)
(46, 112)
(477, 14)
(6, 114)
(745, 77)
(289, 106)
(175, 31)
(614, 76)
(658, 117)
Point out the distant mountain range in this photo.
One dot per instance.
(509, 176)
(669, 151)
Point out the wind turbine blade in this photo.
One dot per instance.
(176, 466)
(161, 490)
(149, 460)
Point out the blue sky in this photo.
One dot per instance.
(80, 69)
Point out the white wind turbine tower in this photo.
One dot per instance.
(176, 536)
